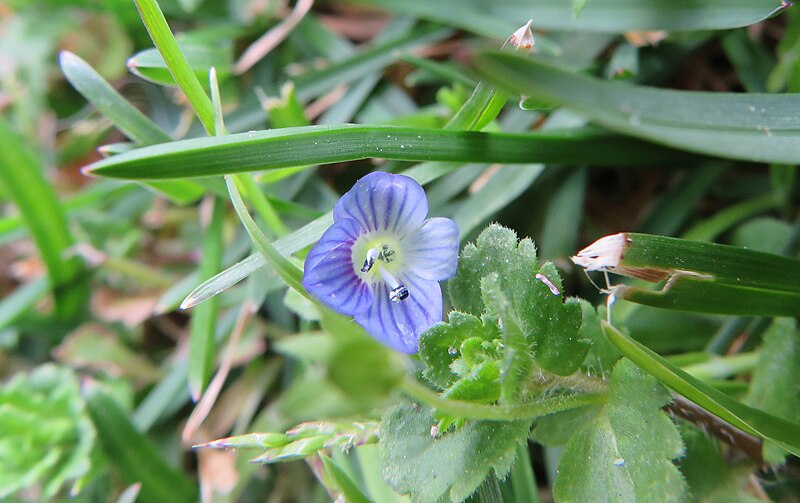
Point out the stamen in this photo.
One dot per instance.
(372, 255)
(398, 291)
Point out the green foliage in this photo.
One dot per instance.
(94, 268)
(775, 386)
(428, 467)
(549, 324)
(46, 437)
(754, 421)
(602, 354)
(710, 478)
(625, 452)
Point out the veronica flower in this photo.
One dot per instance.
(381, 261)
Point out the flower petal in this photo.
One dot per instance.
(383, 201)
(399, 324)
(329, 275)
(432, 250)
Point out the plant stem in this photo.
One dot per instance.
(498, 412)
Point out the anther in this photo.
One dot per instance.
(372, 255)
(398, 292)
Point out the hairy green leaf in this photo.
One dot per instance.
(517, 360)
(784, 433)
(453, 463)
(443, 343)
(624, 453)
(775, 386)
(549, 324)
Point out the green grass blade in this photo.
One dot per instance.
(150, 65)
(202, 348)
(523, 480)
(689, 293)
(127, 118)
(301, 146)
(22, 179)
(497, 17)
(725, 264)
(345, 484)
(135, 456)
(360, 65)
(285, 269)
(752, 127)
(21, 300)
(502, 188)
(771, 428)
(564, 215)
(165, 42)
(671, 210)
(727, 218)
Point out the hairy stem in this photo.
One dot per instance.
(471, 410)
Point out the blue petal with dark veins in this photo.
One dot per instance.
(384, 202)
(329, 274)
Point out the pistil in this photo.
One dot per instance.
(372, 255)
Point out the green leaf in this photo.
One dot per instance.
(135, 456)
(126, 117)
(374, 59)
(764, 234)
(624, 453)
(441, 345)
(454, 463)
(550, 325)
(22, 179)
(344, 483)
(300, 146)
(517, 362)
(775, 385)
(783, 433)
(710, 478)
(150, 65)
(602, 355)
(556, 429)
(700, 277)
(46, 437)
(181, 71)
(504, 186)
(753, 127)
(203, 324)
(498, 18)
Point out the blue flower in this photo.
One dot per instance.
(381, 261)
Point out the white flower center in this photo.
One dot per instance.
(382, 260)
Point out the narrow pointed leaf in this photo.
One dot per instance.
(21, 177)
(181, 71)
(781, 432)
(745, 126)
(495, 18)
(135, 456)
(289, 147)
